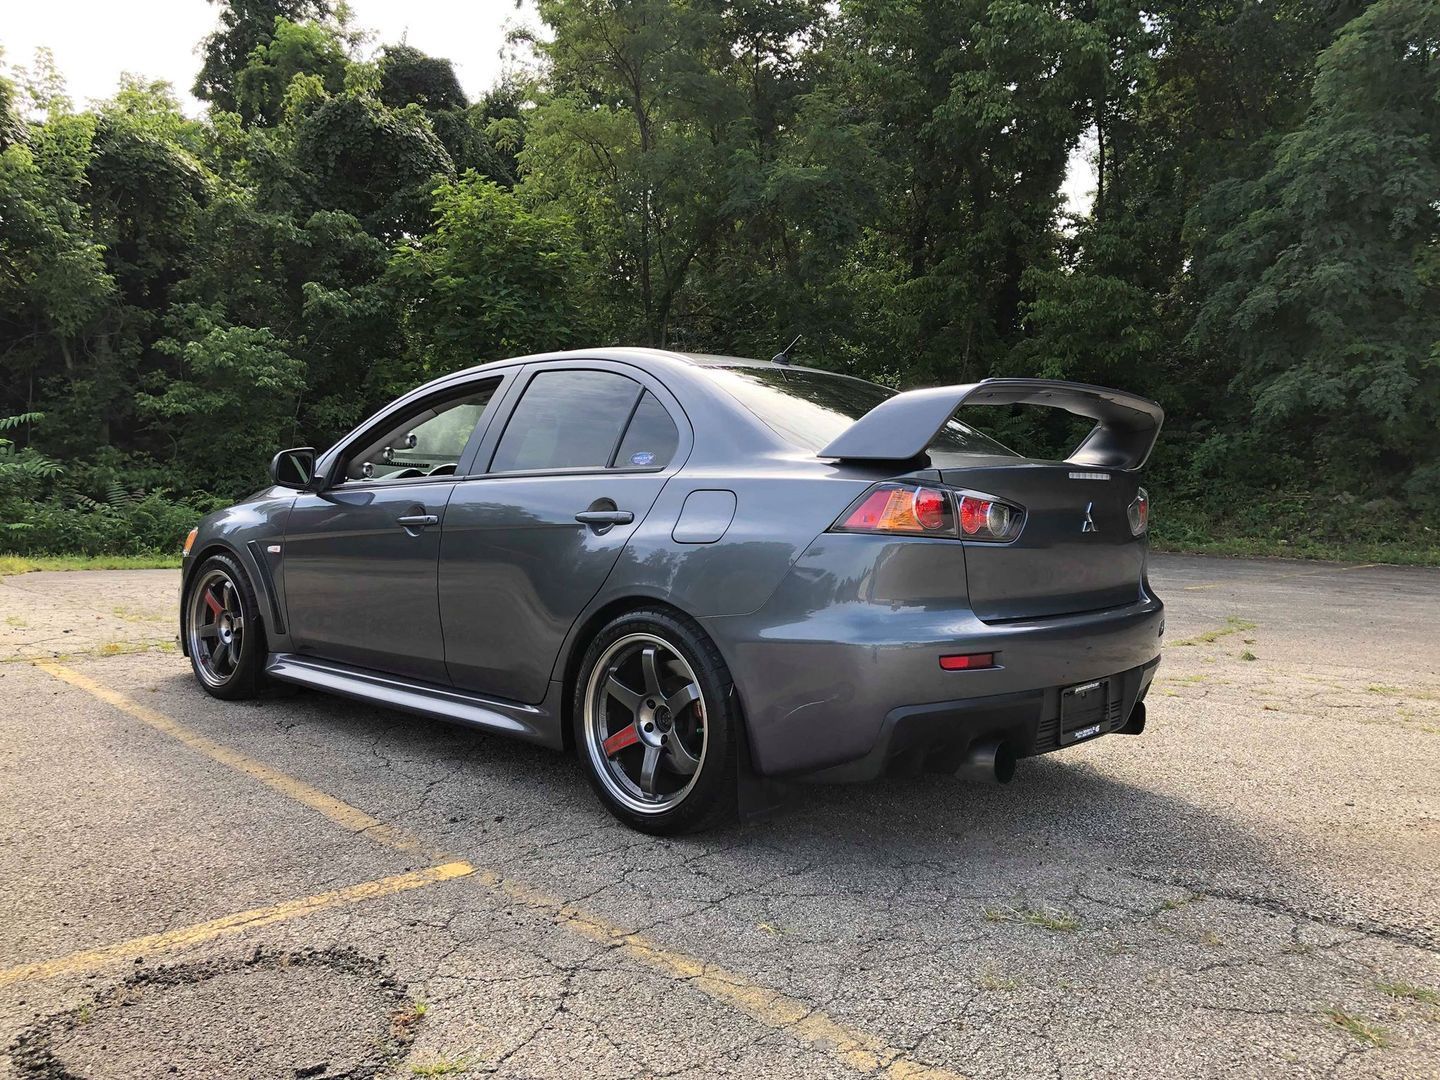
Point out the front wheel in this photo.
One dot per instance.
(656, 724)
(222, 632)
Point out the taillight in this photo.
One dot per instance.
(982, 518)
(919, 510)
(901, 508)
(1139, 512)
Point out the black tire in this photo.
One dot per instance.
(241, 676)
(709, 798)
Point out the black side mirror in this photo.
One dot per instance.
(294, 468)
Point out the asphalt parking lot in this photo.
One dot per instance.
(306, 887)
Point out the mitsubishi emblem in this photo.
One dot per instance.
(1089, 525)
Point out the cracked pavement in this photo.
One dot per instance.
(1247, 889)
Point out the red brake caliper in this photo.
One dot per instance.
(212, 603)
(629, 735)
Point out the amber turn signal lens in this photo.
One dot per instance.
(190, 540)
(902, 508)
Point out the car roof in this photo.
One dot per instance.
(642, 357)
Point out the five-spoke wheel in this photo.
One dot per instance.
(653, 722)
(225, 645)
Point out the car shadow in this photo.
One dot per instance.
(1061, 808)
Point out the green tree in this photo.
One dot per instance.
(1320, 276)
(489, 280)
(245, 25)
(310, 48)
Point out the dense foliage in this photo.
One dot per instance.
(180, 297)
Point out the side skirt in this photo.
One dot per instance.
(534, 723)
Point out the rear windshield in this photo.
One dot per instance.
(811, 408)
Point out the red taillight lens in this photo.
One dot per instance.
(968, 662)
(1139, 512)
(902, 508)
(987, 519)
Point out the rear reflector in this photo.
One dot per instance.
(968, 662)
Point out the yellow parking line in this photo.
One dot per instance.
(81, 962)
(811, 1026)
(342, 813)
(860, 1051)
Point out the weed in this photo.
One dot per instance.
(440, 1067)
(990, 981)
(1248, 655)
(1061, 921)
(1361, 1029)
(1410, 992)
(1233, 625)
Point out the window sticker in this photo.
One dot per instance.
(642, 457)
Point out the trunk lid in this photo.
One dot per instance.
(1056, 566)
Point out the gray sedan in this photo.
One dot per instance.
(691, 570)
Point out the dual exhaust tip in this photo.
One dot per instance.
(993, 760)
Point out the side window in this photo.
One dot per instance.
(566, 420)
(425, 442)
(651, 438)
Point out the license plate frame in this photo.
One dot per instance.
(1083, 710)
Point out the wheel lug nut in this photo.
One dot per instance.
(649, 703)
(649, 726)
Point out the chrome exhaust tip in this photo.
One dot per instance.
(991, 762)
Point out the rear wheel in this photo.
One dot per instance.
(223, 634)
(656, 725)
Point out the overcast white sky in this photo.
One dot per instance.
(94, 41)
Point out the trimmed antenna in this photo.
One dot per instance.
(783, 356)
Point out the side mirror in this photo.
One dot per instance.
(294, 468)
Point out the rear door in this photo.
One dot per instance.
(577, 466)
(360, 557)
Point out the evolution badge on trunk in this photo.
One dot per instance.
(1083, 710)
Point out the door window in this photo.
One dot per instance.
(428, 441)
(567, 420)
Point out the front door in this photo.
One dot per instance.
(526, 546)
(360, 557)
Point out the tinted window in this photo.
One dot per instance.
(566, 420)
(651, 438)
(811, 408)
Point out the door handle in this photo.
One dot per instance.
(417, 521)
(605, 517)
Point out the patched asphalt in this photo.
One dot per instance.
(1247, 889)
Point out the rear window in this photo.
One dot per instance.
(811, 408)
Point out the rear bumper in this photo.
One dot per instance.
(935, 738)
(860, 684)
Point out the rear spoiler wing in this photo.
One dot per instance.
(901, 427)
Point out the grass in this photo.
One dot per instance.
(1233, 625)
(990, 981)
(440, 1067)
(1193, 531)
(1060, 921)
(1410, 992)
(1248, 655)
(1361, 1029)
(24, 564)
